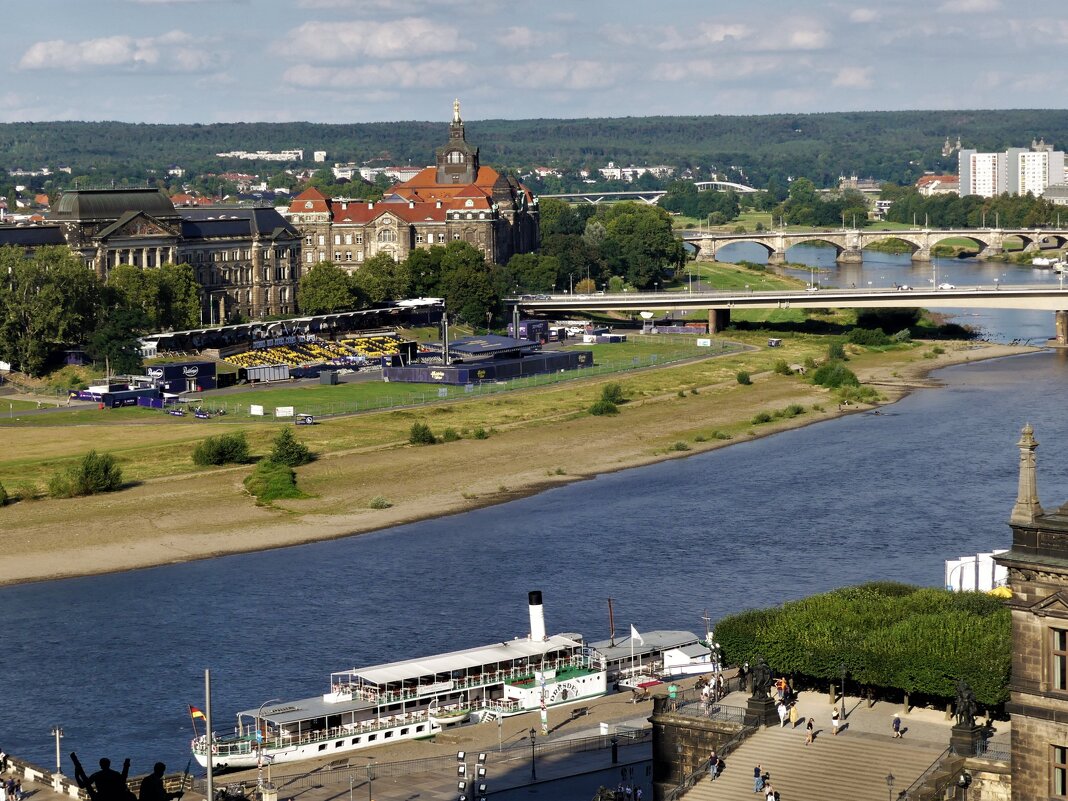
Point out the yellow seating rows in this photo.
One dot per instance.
(371, 347)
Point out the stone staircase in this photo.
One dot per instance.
(852, 766)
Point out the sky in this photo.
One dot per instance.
(347, 61)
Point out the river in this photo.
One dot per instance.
(115, 659)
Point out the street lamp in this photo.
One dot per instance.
(370, 777)
(57, 732)
(890, 786)
(533, 773)
(842, 668)
(352, 779)
(261, 735)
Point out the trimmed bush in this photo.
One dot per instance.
(420, 434)
(743, 378)
(613, 393)
(288, 450)
(224, 449)
(271, 481)
(891, 636)
(869, 337)
(603, 407)
(95, 473)
(834, 374)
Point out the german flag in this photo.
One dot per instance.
(196, 713)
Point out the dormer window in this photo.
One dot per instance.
(308, 204)
(469, 203)
(455, 157)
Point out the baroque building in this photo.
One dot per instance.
(457, 199)
(246, 260)
(1038, 577)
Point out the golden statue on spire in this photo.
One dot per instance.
(456, 110)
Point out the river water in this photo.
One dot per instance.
(115, 659)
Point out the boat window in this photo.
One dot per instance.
(388, 734)
(420, 727)
(372, 737)
(355, 740)
(339, 743)
(322, 746)
(404, 731)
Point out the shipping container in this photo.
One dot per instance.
(273, 372)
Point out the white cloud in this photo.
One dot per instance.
(520, 37)
(559, 72)
(853, 78)
(394, 75)
(804, 35)
(727, 69)
(172, 52)
(346, 41)
(863, 15)
(969, 6)
(399, 6)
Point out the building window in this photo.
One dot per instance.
(348, 239)
(456, 235)
(1059, 659)
(359, 255)
(441, 238)
(311, 258)
(387, 235)
(419, 239)
(322, 240)
(1060, 771)
(359, 239)
(308, 240)
(337, 239)
(348, 255)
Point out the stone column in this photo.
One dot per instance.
(850, 256)
(130, 256)
(258, 264)
(1061, 321)
(923, 254)
(777, 257)
(718, 320)
(1027, 507)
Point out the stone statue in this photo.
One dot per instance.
(456, 110)
(761, 678)
(966, 704)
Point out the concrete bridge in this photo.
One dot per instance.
(650, 197)
(719, 304)
(850, 243)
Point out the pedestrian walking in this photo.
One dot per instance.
(835, 721)
(781, 709)
(810, 732)
(793, 716)
(713, 766)
(638, 794)
(673, 695)
(896, 725)
(18, 791)
(758, 779)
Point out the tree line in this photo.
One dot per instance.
(51, 302)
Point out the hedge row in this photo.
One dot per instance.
(890, 636)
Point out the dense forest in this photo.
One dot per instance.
(895, 146)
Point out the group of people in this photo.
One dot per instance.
(762, 784)
(711, 691)
(11, 790)
(625, 791)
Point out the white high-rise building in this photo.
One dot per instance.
(1016, 171)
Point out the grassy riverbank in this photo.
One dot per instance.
(537, 438)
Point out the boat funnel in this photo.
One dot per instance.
(537, 616)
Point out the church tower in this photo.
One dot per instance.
(457, 161)
(1038, 688)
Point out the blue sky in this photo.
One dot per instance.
(370, 60)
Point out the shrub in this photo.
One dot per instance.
(679, 446)
(288, 450)
(271, 481)
(793, 410)
(836, 352)
(224, 449)
(743, 378)
(700, 438)
(480, 433)
(858, 394)
(378, 502)
(782, 368)
(904, 335)
(95, 473)
(613, 393)
(938, 350)
(3, 495)
(761, 417)
(834, 374)
(869, 337)
(420, 434)
(449, 435)
(721, 435)
(603, 407)
(810, 363)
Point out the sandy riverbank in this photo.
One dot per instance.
(152, 523)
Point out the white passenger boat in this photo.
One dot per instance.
(415, 698)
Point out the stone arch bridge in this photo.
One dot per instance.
(850, 243)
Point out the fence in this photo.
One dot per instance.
(725, 749)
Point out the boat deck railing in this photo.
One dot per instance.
(511, 676)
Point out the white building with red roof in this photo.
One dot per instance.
(457, 199)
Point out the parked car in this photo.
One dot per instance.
(946, 286)
(904, 287)
(812, 288)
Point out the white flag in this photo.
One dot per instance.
(634, 635)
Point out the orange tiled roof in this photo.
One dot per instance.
(425, 185)
(319, 202)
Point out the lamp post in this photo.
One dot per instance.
(261, 735)
(57, 732)
(533, 772)
(370, 777)
(890, 786)
(352, 780)
(842, 668)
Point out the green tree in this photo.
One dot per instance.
(115, 341)
(645, 241)
(424, 267)
(380, 278)
(469, 290)
(288, 450)
(179, 308)
(49, 302)
(531, 272)
(325, 288)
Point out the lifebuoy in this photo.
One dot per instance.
(215, 749)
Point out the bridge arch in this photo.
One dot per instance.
(983, 241)
(769, 249)
(820, 239)
(892, 237)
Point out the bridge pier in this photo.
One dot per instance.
(777, 257)
(850, 256)
(1061, 327)
(990, 252)
(923, 254)
(718, 320)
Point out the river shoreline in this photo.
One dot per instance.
(421, 483)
